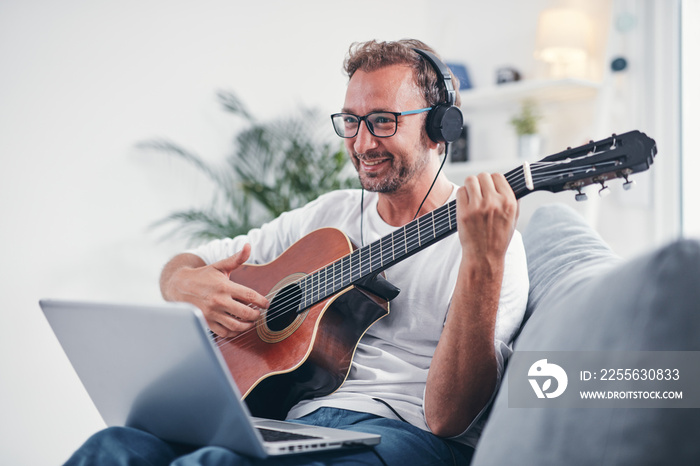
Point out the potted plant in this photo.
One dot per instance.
(525, 125)
(274, 166)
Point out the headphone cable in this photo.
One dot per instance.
(434, 180)
(362, 199)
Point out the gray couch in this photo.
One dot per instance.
(584, 298)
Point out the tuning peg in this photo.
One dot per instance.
(628, 184)
(580, 197)
(604, 191)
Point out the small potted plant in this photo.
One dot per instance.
(525, 124)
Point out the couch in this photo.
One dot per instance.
(585, 298)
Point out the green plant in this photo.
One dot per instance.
(275, 166)
(526, 121)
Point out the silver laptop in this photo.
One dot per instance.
(156, 368)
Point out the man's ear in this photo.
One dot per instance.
(438, 146)
(432, 145)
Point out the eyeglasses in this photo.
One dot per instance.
(380, 124)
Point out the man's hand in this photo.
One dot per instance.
(487, 212)
(228, 307)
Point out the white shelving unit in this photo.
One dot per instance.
(498, 101)
(543, 91)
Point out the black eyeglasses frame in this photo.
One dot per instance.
(370, 126)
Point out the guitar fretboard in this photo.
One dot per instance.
(392, 248)
(379, 255)
(596, 162)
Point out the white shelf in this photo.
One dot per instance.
(539, 90)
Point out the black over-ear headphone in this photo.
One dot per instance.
(444, 121)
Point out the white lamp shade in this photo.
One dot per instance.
(563, 36)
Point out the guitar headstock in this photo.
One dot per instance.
(597, 162)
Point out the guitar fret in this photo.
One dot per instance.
(308, 291)
(367, 266)
(355, 259)
(369, 249)
(343, 272)
(373, 256)
(418, 230)
(311, 298)
(314, 288)
(334, 281)
(338, 276)
(410, 237)
(384, 248)
(405, 240)
(378, 255)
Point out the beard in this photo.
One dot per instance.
(391, 180)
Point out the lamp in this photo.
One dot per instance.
(563, 41)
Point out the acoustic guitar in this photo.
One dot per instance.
(325, 292)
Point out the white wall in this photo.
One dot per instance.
(82, 81)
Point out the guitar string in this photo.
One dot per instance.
(516, 173)
(412, 239)
(539, 166)
(412, 236)
(534, 168)
(553, 174)
(343, 267)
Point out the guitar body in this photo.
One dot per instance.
(292, 356)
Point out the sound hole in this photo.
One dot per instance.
(283, 308)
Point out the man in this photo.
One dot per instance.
(422, 376)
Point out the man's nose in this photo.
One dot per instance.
(364, 140)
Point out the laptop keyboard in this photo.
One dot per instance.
(270, 435)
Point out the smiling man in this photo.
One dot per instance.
(422, 376)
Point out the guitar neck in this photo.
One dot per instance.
(402, 243)
(596, 162)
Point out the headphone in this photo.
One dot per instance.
(444, 122)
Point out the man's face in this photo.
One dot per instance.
(387, 165)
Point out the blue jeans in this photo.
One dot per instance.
(402, 444)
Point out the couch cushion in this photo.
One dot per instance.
(593, 304)
(562, 250)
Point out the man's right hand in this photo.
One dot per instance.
(229, 308)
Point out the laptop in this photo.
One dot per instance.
(156, 368)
